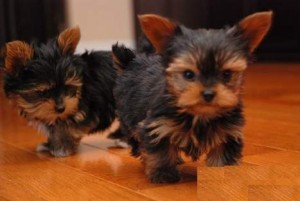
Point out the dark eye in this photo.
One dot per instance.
(189, 75)
(226, 75)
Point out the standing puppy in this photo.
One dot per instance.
(65, 95)
(187, 97)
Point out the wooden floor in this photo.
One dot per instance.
(100, 171)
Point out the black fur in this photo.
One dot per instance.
(144, 45)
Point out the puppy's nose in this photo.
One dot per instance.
(208, 95)
(60, 108)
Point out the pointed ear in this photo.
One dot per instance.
(122, 56)
(68, 40)
(158, 30)
(16, 54)
(254, 28)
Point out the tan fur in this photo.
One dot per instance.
(205, 111)
(191, 95)
(41, 87)
(73, 81)
(71, 104)
(42, 110)
(167, 128)
(68, 40)
(80, 116)
(153, 161)
(255, 27)
(236, 64)
(215, 155)
(157, 29)
(163, 128)
(225, 97)
(176, 83)
(16, 53)
(236, 82)
(46, 110)
(181, 64)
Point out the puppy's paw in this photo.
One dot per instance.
(62, 152)
(42, 147)
(166, 176)
(55, 151)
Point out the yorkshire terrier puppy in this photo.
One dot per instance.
(64, 94)
(187, 96)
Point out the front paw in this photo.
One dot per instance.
(42, 147)
(165, 176)
(55, 150)
(62, 152)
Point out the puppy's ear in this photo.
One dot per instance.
(122, 56)
(254, 28)
(157, 29)
(16, 54)
(68, 40)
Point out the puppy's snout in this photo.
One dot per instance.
(208, 95)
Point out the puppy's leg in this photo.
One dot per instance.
(228, 153)
(160, 162)
(62, 141)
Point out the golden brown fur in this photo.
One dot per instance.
(16, 53)
(68, 40)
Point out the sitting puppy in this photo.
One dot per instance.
(187, 96)
(65, 95)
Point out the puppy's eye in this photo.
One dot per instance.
(226, 75)
(189, 75)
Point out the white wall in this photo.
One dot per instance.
(102, 22)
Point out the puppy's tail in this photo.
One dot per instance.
(122, 56)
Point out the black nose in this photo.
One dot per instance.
(60, 108)
(208, 95)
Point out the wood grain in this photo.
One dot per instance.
(24, 173)
(266, 183)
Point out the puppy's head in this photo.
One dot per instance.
(204, 68)
(45, 81)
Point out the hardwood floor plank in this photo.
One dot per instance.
(172, 192)
(274, 158)
(283, 135)
(51, 181)
(248, 183)
(254, 149)
(12, 190)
